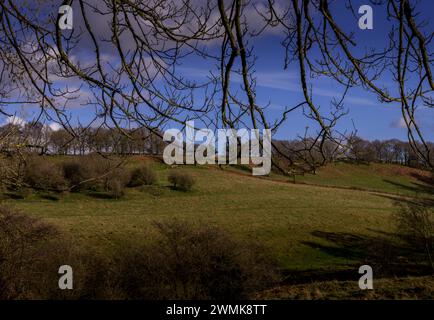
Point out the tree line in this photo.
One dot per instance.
(355, 149)
(126, 60)
(39, 138)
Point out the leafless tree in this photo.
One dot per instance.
(133, 74)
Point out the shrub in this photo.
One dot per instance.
(181, 180)
(143, 175)
(115, 188)
(114, 181)
(185, 262)
(199, 262)
(415, 224)
(86, 173)
(31, 252)
(76, 173)
(42, 174)
(23, 244)
(12, 173)
(95, 173)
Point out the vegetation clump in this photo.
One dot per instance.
(143, 175)
(196, 262)
(181, 180)
(42, 174)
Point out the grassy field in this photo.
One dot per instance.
(284, 216)
(387, 178)
(390, 178)
(308, 227)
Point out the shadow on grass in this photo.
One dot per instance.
(423, 191)
(429, 180)
(418, 200)
(389, 254)
(423, 186)
(102, 195)
(384, 252)
(14, 195)
(51, 197)
(181, 190)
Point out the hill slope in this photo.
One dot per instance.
(308, 227)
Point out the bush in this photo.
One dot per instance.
(114, 182)
(190, 262)
(181, 180)
(76, 173)
(115, 188)
(12, 173)
(185, 262)
(31, 252)
(415, 224)
(23, 247)
(144, 175)
(84, 174)
(42, 174)
(95, 173)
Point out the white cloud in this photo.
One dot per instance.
(55, 126)
(16, 121)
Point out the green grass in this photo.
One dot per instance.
(281, 215)
(388, 178)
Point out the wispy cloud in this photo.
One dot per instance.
(349, 98)
(280, 80)
(398, 124)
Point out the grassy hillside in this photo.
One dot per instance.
(285, 216)
(308, 227)
(390, 178)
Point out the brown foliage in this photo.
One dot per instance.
(95, 173)
(31, 252)
(181, 180)
(415, 223)
(199, 262)
(143, 175)
(25, 243)
(41, 173)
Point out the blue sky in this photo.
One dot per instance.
(371, 118)
(280, 88)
